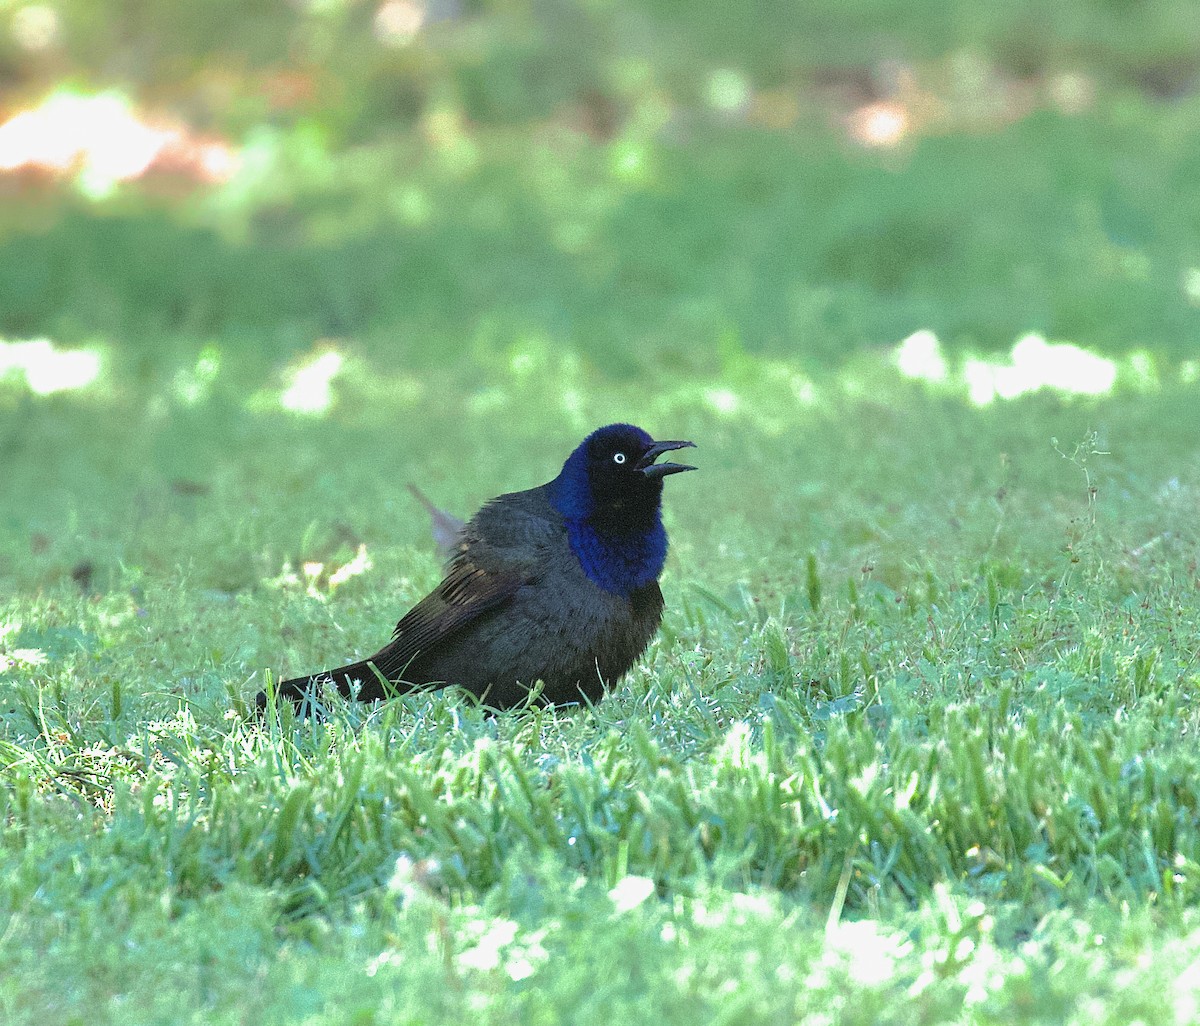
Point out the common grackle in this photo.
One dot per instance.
(557, 584)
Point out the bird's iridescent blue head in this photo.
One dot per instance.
(610, 494)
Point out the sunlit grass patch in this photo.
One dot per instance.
(101, 141)
(1033, 365)
(916, 730)
(44, 368)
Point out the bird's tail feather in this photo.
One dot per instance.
(360, 680)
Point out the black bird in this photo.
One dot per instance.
(557, 584)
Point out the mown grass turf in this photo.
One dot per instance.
(918, 732)
(917, 740)
(782, 243)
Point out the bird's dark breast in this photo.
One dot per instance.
(561, 629)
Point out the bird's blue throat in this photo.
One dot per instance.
(621, 548)
(620, 564)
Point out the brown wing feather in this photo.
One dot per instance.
(502, 548)
(466, 593)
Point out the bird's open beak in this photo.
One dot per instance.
(651, 469)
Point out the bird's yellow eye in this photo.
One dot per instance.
(618, 457)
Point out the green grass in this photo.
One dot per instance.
(543, 237)
(916, 743)
(918, 731)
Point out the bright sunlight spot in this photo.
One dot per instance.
(1036, 364)
(1033, 364)
(920, 356)
(100, 133)
(310, 386)
(630, 892)
(103, 141)
(868, 953)
(721, 400)
(728, 91)
(1191, 285)
(883, 124)
(360, 564)
(35, 27)
(397, 22)
(21, 657)
(485, 955)
(47, 369)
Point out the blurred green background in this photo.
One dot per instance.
(646, 185)
(296, 254)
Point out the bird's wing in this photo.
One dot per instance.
(493, 560)
(465, 594)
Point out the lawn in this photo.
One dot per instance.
(916, 743)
